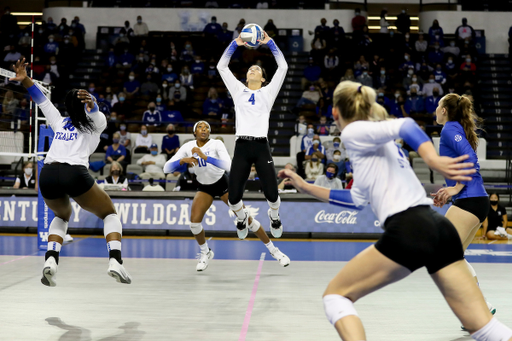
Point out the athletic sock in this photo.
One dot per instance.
(54, 246)
(274, 208)
(270, 246)
(204, 248)
(114, 250)
(238, 209)
(51, 253)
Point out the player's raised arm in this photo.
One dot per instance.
(227, 76)
(282, 66)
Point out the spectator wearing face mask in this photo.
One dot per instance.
(125, 137)
(400, 144)
(310, 96)
(187, 54)
(358, 21)
(397, 109)
(301, 127)
(212, 105)
(186, 78)
(338, 158)
(336, 146)
(140, 28)
(28, 178)
(153, 164)
(92, 90)
(160, 104)
(403, 22)
(121, 43)
(421, 44)
(213, 29)
(143, 141)
(381, 79)
(180, 89)
(468, 66)
(306, 142)
(364, 78)
(197, 68)
(311, 72)
(170, 142)
(452, 49)
(439, 75)
(436, 56)
(407, 65)
(314, 167)
(127, 30)
(323, 128)
(168, 74)
(329, 179)
(125, 60)
(495, 225)
(121, 108)
(428, 88)
(149, 87)
(431, 102)
(465, 31)
(226, 35)
(414, 104)
(412, 79)
(435, 30)
(116, 176)
(116, 151)
(316, 148)
(152, 117)
(132, 86)
(51, 47)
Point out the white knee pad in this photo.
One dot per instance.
(473, 273)
(58, 227)
(255, 225)
(337, 307)
(236, 207)
(196, 228)
(493, 331)
(275, 205)
(111, 224)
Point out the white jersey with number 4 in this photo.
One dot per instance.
(206, 173)
(382, 173)
(252, 107)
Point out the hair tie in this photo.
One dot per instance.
(359, 89)
(458, 101)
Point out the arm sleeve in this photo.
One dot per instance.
(412, 133)
(174, 163)
(50, 112)
(97, 117)
(224, 161)
(233, 84)
(343, 198)
(461, 147)
(277, 80)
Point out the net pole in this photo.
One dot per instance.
(31, 101)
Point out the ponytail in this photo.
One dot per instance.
(460, 109)
(354, 101)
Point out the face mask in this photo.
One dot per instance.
(450, 61)
(53, 62)
(73, 25)
(437, 36)
(214, 21)
(314, 160)
(410, 72)
(468, 60)
(188, 46)
(164, 85)
(365, 73)
(116, 172)
(41, 31)
(123, 127)
(436, 47)
(151, 109)
(131, 78)
(316, 142)
(50, 21)
(139, 21)
(414, 79)
(403, 11)
(357, 13)
(311, 131)
(113, 119)
(406, 57)
(50, 40)
(121, 99)
(382, 72)
(336, 144)
(494, 202)
(311, 88)
(177, 85)
(170, 132)
(154, 152)
(407, 36)
(28, 171)
(431, 80)
(158, 100)
(397, 95)
(398, 144)
(169, 69)
(452, 43)
(66, 41)
(91, 89)
(329, 175)
(391, 33)
(143, 132)
(121, 35)
(336, 158)
(115, 141)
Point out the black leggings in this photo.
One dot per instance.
(248, 152)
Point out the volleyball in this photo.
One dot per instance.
(252, 34)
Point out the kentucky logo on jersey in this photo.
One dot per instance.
(68, 125)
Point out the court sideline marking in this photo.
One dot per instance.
(247, 319)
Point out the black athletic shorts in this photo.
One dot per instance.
(479, 206)
(60, 179)
(216, 189)
(419, 236)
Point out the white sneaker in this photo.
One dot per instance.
(68, 238)
(204, 259)
(242, 226)
(49, 272)
(280, 257)
(276, 228)
(118, 272)
(501, 232)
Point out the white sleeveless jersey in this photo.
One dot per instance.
(252, 107)
(382, 174)
(206, 173)
(70, 145)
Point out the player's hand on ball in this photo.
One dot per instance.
(266, 38)
(199, 153)
(20, 69)
(86, 98)
(239, 41)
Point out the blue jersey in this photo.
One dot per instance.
(454, 144)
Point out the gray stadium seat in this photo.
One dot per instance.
(438, 178)
(106, 169)
(136, 157)
(137, 169)
(94, 174)
(169, 186)
(423, 174)
(97, 157)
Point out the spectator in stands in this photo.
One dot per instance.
(286, 184)
(349, 75)
(452, 49)
(407, 66)
(160, 104)
(110, 97)
(431, 103)
(439, 75)
(121, 107)
(63, 27)
(336, 146)
(496, 223)
(122, 42)
(436, 56)
(310, 96)
(238, 28)
(226, 35)
(314, 167)
(140, 28)
(329, 179)
(67, 52)
(168, 74)
(270, 28)
(435, 30)
(339, 160)
(116, 151)
(197, 67)
(111, 59)
(414, 104)
(125, 137)
(312, 72)
(323, 128)
(213, 29)
(421, 44)
(9, 104)
(468, 66)
(331, 63)
(178, 88)
(132, 86)
(149, 87)
(116, 176)
(364, 78)
(383, 21)
(428, 88)
(337, 35)
(187, 54)
(125, 60)
(318, 46)
(315, 148)
(29, 177)
(143, 141)
(212, 73)
(127, 30)
(465, 32)
(25, 40)
(51, 47)
(172, 53)
(22, 113)
(403, 22)
(322, 29)
(412, 78)
(152, 117)
(451, 68)
(381, 79)
(153, 163)
(301, 127)
(170, 142)
(383, 100)
(358, 21)
(50, 25)
(397, 107)
(212, 105)
(186, 78)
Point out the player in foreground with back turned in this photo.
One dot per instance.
(65, 174)
(414, 235)
(210, 160)
(253, 103)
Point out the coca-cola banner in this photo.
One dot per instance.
(310, 216)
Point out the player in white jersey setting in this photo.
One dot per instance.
(210, 160)
(65, 174)
(253, 103)
(414, 235)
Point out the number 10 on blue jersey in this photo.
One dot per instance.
(251, 99)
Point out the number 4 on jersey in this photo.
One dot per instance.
(252, 100)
